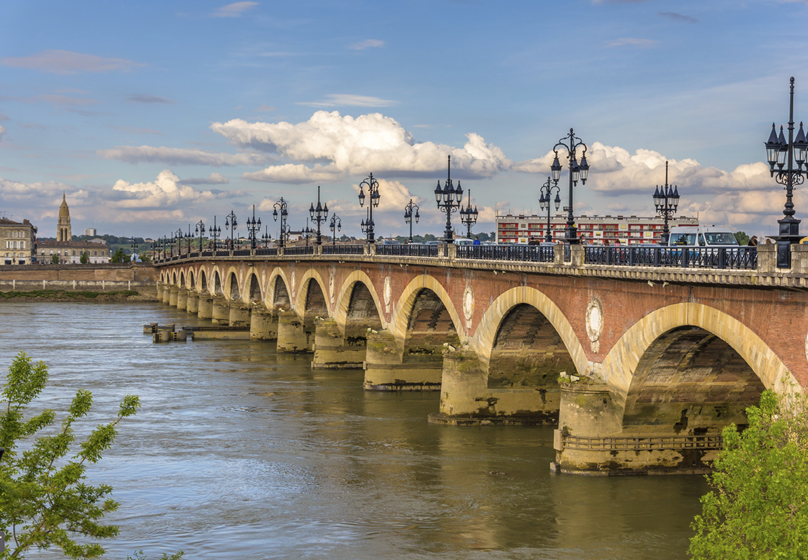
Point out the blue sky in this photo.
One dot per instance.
(153, 115)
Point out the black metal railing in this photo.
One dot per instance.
(298, 250)
(684, 257)
(267, 251)
(526, 253)
(241, 253)
(207, 253)
(354, 249)
(408, 250)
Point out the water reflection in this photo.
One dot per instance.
(240, 452)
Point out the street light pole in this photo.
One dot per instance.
(319, 215)
(280, 205)
(252, 227)
(215, 232)
(666, 201)
(266, 237)
(448, 200)
(408, 215)
(178, 237)
(336, 224)
(231, 222)
(546, 192)
(200, 229)
(468, 215)
(571, 143)
(373, 191)
(778, 152)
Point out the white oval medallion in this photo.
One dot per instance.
(594, 323)
(468, 305)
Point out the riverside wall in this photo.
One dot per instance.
(139, 277)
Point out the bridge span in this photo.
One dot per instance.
(640, 362)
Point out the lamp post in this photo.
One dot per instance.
(188, 237)
(336, 224)
(266, 237)
(133, 246)
(448, 200)
(178, 238)
(231, 222)
(306, 232)
(281, 205)
(408, 215)
(253, 226)
(571, 143)
(373, 191)
(779, 153)
(200, 229)
(546, 192)
(318, 215)
(215, 233)
(666, 201)
(468, 215)
(367, 226)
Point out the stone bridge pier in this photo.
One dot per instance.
(638, 368)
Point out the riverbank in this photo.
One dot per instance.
(85, 295)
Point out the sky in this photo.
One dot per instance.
(151, 116)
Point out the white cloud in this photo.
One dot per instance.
(68, 62)
(631, 42)
(236, 9)
(212, 179)
(179, 156)
(614, 169)
(16, 191)
(296, 174)
(346, 100)
(367, 43)
(166, 191)
(357, 146)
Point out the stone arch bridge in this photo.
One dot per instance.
(640, 366)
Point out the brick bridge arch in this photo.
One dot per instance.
(312, 294)
(345, 302)
(277, 290)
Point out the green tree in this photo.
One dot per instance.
(741, 237)
(758, 508)
(119, 256)
(55, 259)
(85, 257)
(45, 500)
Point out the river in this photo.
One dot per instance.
(240, 452)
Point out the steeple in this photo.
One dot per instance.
(63, 231)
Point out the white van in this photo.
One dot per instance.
(701, 236)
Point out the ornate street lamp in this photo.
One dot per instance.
(367, 226)
(200, 229)
(578, 171)
(306, 231)
(373, 190)
(336, 224)
(231, 222)
(215, 233)
(666, 201)
(318, 216)
(133, 246)
(468, 215)
(408, 215)
(253, 226)
(266, 237)
(779, 153)
(178, 238)
(281, 205)
(448, 200)
(546, 193)
(188, 237)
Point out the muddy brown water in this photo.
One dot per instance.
(240, 452)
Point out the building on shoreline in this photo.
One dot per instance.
(65, 249)
(596, 230)
(17, 241)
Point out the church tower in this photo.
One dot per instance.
(64, 232)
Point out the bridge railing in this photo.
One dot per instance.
(525, 253)
(685, 257)
(241, 253)
(305, 250)
(354, 249)
(408, 250)
(267, 251)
